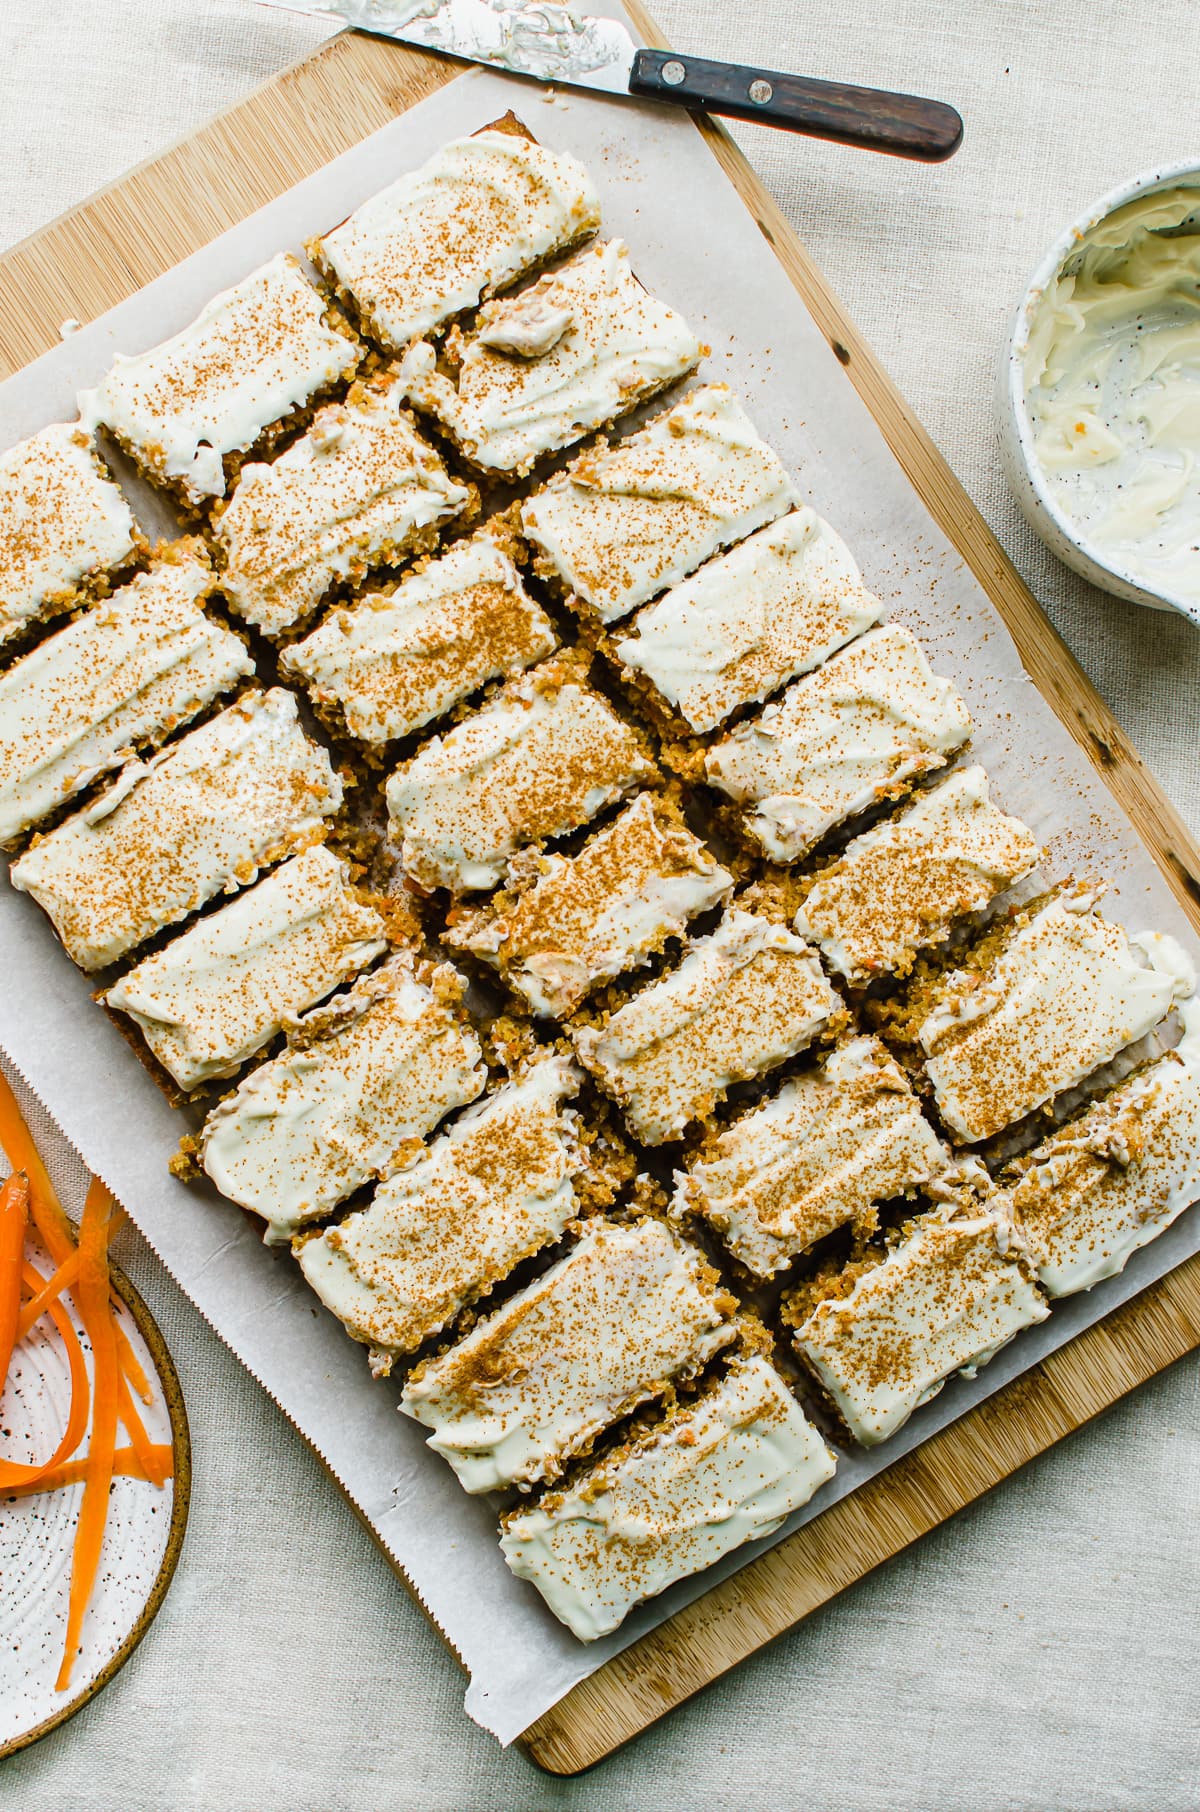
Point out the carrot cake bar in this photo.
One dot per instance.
(363, 1079)
(823, 1151)
(903, 885)
(946, 1300)
(569, 923)
(1117, 1177)
(770, 608)
(742, 1001)
(1065, 993)
(539, 370)
(198, 819)
(611, 1325)
(128, 672)
(65, 529)
(860, 729)
(406, 655)
(494, 1188)
(360, 489)
(719, 1472)
(224, 988)
(542, 759)
(483, 212)
(254, 358)
(627, 520)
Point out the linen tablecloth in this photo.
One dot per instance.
(1040, 1650)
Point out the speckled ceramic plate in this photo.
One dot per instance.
(142, 1538)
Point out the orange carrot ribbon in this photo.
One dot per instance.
(14, 1218)
(126, 1465)
(101, 1331)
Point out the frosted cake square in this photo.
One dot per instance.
(360, 489)
(859, 730)
(66, 531)
(627, 520)
(903, 885)
(406, 655)
(541, 369)
(504, 1181)
(565, 924)
(198, 819)
(1064, 992)
(825, 1150)
(720, 1471)
(1112, 1180)
(543, 758)
(748, 621)
(124, 675)
(247, 368)
(363, 1080)
(628, 1310)
(220, 991)
(954, 1292)
(742, 1001)
(479, 215)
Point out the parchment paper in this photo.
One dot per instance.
(694, 243)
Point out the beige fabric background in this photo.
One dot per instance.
(1041, 1650)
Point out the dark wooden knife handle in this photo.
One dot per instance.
(902, 124)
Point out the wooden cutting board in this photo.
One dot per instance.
(100, 253)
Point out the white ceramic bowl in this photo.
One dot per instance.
(1021, 466)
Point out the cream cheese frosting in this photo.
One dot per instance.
(742, 1001)
(1112, 378)
(482, 212)
(772, 607)
(863, 726)
(506, 410)
(497, 1186)
(1111, 1181)
(223, 989)
(198, 819)
(127, 673)
(629, 1309)
(364, 1078)
(627, 520)
(252, 355)
(823, 1151)
(589, 917)
(904, 884)
(946, 1300)
(722, 1471)
(360, 489)
(401, 658)
(62, 521)
(1066, 992)
(542, 759)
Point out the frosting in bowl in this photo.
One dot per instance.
(1112, 381)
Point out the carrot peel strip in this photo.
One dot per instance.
(101, 1331)
(49, 1216)
(14, 1217)
(12, 1472)
(139, 1440)
(126, 1465)
(63, 1279)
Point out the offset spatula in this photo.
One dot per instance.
(556, 44)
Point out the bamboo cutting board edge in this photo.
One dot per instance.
(102, 251)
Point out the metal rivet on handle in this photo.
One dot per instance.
(760, 92)
(673, 73)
